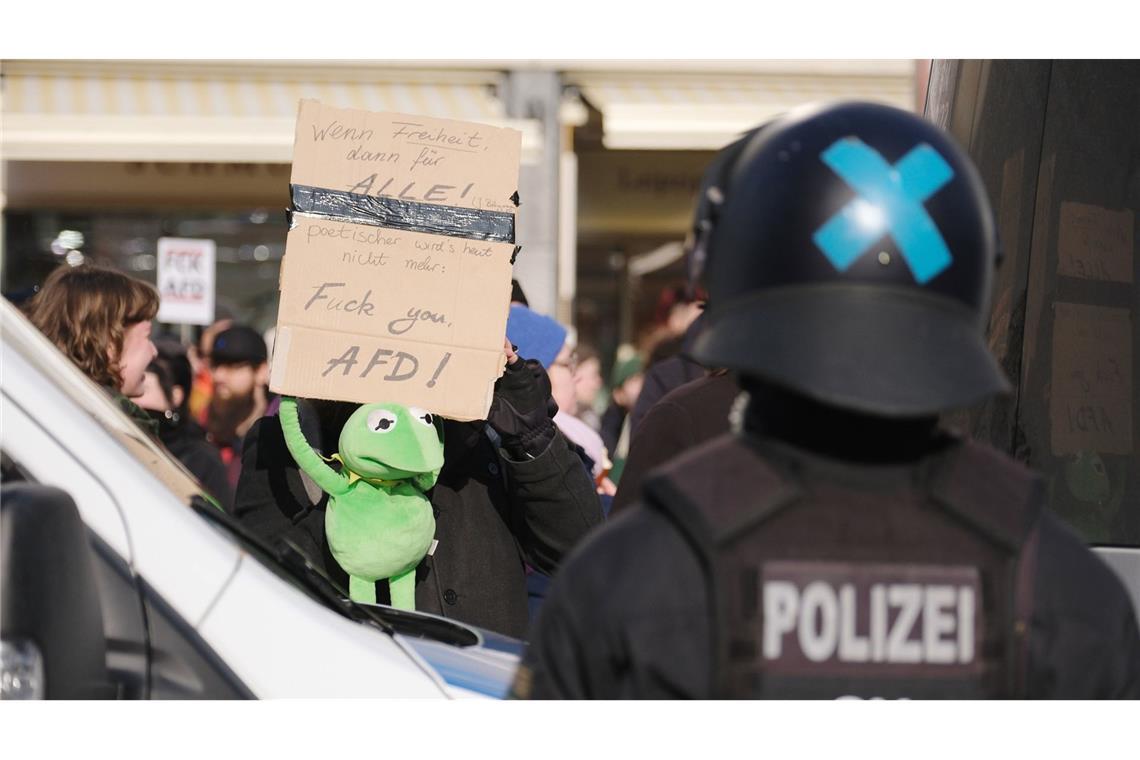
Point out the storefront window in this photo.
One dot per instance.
(249, 243)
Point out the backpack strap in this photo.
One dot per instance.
(1024, 589)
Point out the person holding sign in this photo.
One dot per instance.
(395, 289)
(511, 493)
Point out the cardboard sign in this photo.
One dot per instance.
(415, 158)
(386, 313)
(1090, 407)
(186, 281)
(1095, 243)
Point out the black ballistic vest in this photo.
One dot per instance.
(831, 580)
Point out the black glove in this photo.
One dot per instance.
(522, 409)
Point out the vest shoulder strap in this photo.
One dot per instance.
(994, 494)
(718, 491)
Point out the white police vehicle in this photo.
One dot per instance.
(147, 591)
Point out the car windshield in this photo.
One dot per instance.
(283, 560)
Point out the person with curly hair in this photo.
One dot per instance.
(101, 320)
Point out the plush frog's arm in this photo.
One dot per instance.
(330, 481)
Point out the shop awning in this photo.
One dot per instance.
(705, 111)
(213, 114)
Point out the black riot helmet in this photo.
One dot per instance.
(851, 262)
(706, 212)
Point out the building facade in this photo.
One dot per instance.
(99, 159)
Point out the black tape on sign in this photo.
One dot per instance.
(382, 211)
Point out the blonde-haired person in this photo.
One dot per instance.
(101, 320)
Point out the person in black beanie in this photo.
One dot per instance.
(166, 395)
(239, 370)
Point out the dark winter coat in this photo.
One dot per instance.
(492, 515)
(666, 375)
(186, 440)
(686, 417)
(660, 379)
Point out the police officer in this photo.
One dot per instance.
(838, 542)
(682, 403)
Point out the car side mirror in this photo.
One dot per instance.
(51, 619)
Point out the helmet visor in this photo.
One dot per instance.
(892, 352)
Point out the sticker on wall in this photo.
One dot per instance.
(1090, 407)
(1095, 243)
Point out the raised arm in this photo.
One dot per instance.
(330, 481)
(552, 497)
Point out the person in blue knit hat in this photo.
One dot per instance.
(541, 338)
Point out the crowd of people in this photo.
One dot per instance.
(207, 400)
(757, 453)
(516, 493)
(198, 400)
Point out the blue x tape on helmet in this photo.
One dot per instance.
(852, 262)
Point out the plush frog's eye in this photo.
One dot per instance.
(382, 421)
(422, 415)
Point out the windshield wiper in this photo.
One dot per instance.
(291, 560)
(287, 557)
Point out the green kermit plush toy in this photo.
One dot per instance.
(378, 521)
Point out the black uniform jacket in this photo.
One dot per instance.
(686, 417)
(492, 515)
(628, 617)
(663, 376)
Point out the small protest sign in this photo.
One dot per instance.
(186, 281)
(1095, 243)
(396, 280)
